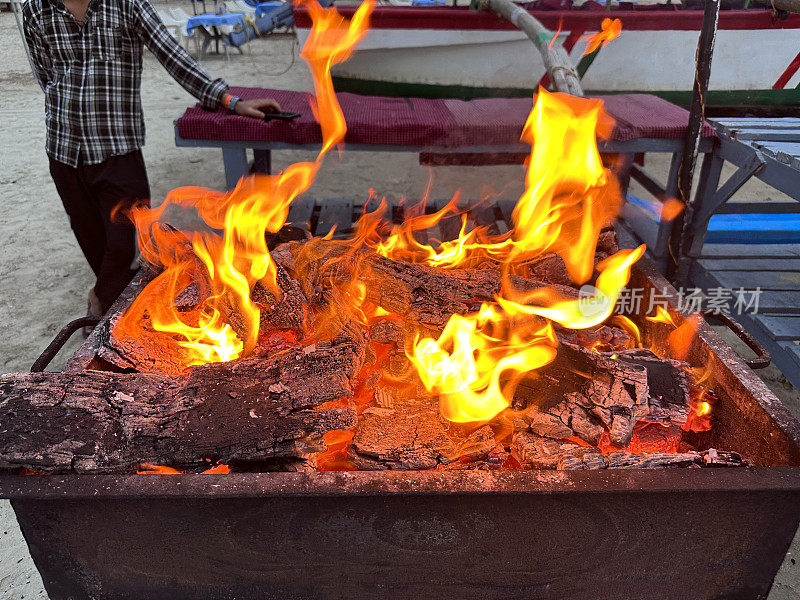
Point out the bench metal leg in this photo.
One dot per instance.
(235, 161)
(262, 161)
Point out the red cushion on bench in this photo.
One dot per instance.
(378, 120)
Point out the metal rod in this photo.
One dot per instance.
(691, 147)
(61, 338)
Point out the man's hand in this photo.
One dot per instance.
(257, 108)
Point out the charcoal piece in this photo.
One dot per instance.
(718, 458)
(247, 410)
(668, 386)
(387, 330)
(587, 462)
(492, 461)
(627, 460)
(409, 436)
(607, 244)
(478, 444)
(544, 453)
(575, 413)
(604, 337)
(189, 299)
(547, 424)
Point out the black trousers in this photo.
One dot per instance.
(90, 194)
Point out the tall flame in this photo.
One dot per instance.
(229, 264)
(610, 29)
(478, 360)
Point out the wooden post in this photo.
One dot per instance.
(556, 60)
(705, 50)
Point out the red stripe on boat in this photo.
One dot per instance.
(392, 17)
(787, 74)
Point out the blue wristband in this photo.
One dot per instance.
(232, 102)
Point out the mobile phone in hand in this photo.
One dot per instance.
(281, 116)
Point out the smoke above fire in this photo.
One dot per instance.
(476, 361)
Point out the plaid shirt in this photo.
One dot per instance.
(92, 74)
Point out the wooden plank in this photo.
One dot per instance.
(777, 280)
(506, 210)
(335, 212)
(763, 208)
(784, 152)
(751, 264)
(744, 123)
(767, 135)
(790, 364)
(449, 227)
(750, 250)
(781, 303)
(781, 328)
(484, 215)
(300, 211)
(776, 302)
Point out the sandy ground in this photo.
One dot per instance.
(44, 278)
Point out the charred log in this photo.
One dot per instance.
(244, 411)
(654, 460)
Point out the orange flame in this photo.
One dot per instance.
(661, 316)
(479, 359)
(700, 411)
(610, 29)
(227, 266)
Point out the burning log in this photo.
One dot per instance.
(594, 391)
(148, 353)
(420, 293)
(244, 411)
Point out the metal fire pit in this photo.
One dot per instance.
(707, 534)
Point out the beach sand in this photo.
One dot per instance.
(44, 278)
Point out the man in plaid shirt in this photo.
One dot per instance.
(87, 56)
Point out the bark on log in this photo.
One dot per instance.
(544, 453)
(668, 386)
(654, 460)
(239, 412)
(405, 433)
(589, 391)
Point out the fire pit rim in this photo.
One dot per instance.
(407, 483)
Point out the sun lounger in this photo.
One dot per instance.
(434, 126)
(231, 29)
(753, 245)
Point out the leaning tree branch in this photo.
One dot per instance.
(556, 60)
